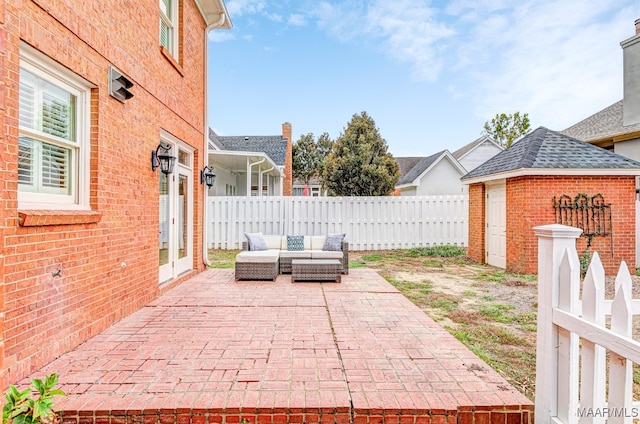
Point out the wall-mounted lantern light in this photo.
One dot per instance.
(207, 176)
(119, 85)
(163, 160)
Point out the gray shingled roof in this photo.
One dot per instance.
(417, 169)
(275, 146)
(467, 148)
(406, 163)
(548, 149)
(602, 125)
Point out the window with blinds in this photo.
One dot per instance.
(168, 26)
(47, 144)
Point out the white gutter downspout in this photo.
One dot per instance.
(249, 165)
(205, 203)
(261, 174)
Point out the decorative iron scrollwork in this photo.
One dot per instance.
(589, 213)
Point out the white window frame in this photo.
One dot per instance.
(47, 69)
(172, 24)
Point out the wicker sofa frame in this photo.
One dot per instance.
(285, 263)
(257, 271)
(316, 270)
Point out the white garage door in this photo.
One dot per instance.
(496, 240)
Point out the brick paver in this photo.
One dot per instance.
(216, 350)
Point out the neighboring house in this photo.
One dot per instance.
(438, 174)
(543, 166)
(617, 127)
(90, 232)
(313, 189)
(251, 165)
(477, 152)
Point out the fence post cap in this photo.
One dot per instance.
(557, 231)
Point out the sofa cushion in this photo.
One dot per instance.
(317, 242)
(333, 242)
(297, 254)
(258, 256)
(326, 254)
(295, 243)
(256, 241)
(273, 242)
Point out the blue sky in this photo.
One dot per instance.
(430, 73)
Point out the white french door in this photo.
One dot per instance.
(175, 250)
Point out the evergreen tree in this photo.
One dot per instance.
(359, 163)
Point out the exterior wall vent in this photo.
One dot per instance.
(119, 85)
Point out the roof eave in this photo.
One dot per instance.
(409, 185)
(215, 13)
(520, 172)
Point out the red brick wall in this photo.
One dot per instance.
(477, 224)
(530, 204)
(45, 316)
(6, 151)
(534, 197)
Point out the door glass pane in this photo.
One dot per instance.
(163, 227)
(183, 191)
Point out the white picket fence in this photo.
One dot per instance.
(371, 223)
(585, 345)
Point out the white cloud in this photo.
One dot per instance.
(241, 7)
(298, 20)
(275, 17)
(408, 29)
(558, 61)
(220, 35)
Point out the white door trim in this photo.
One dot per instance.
(496, 220)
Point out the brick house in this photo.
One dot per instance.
(250, 165)
(514, 191)
(89, 232)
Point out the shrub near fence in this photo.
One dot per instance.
(371, 223)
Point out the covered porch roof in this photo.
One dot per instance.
(244, 162)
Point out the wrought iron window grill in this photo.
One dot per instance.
(589, 213)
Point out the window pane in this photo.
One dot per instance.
(57, 118)
(183, 210)
(163, 238)
(27, 100)
(46, 107)
(165, 35)
(43, 167)
(55, 169)
(25, 161)
(165, 7)
(184, 158)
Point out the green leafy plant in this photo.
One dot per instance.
(23, 408)
(585, 260)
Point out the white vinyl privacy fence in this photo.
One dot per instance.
(371, 223)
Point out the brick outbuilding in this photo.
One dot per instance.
(535, 182)
(89, 231)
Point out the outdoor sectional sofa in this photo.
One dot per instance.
(265, 262)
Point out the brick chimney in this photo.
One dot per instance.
(631, 78)
(287, 186)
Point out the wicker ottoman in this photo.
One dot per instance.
(316, 270)
(257, 265)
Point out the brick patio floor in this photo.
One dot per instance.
(214, 350)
